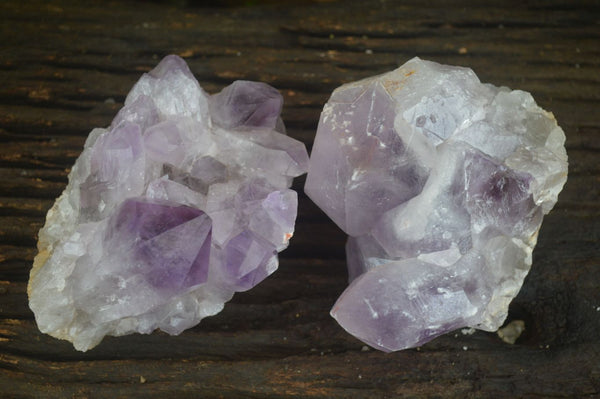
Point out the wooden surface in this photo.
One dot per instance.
(66, 68)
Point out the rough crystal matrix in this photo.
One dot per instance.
(441, 183)
(182, 201)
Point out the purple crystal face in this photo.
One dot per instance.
(160, 248)
(116, 171)
(170, 240)
(245, 103)
(441, 183)
(370, 172)
(181, 202)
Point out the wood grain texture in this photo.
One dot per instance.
(66, 67)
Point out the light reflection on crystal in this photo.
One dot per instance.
(441, 183)
(181, 202)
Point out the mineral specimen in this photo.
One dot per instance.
(181, 202)
(441, 183)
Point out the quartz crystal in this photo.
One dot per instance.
(181, 202)
(441, 182)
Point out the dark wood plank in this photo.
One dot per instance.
(66, 67)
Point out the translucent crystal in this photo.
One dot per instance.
(182, 201)
(441, 183)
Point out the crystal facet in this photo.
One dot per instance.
(441, 182)
(181, 202)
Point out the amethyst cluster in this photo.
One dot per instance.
(441, 182)
(181, 202)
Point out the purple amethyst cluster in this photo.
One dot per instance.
(181, 202)
(441, 182)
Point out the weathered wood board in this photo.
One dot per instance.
(66, 66)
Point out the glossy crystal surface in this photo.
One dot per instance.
(181, 202)
(441, 183)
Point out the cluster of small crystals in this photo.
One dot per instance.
(441, 182)
(181, 202)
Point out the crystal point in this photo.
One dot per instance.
(181, 202)
(441, 183)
